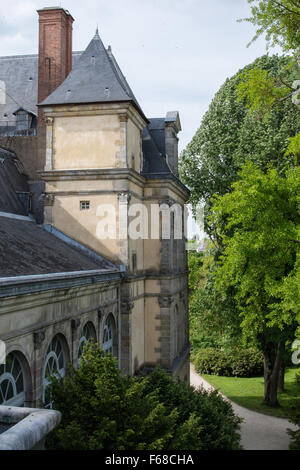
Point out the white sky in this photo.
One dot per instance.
(175, 54)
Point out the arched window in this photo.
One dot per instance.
(109, 336)
(107, 341)
(12, 382)
(88, 334)
(55, 365)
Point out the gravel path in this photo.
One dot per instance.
(258, 431)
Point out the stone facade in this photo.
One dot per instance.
(99, 152)
(30, 322)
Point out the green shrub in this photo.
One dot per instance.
(212, 361)
(295, 419)
(229, 363)
(104, 409)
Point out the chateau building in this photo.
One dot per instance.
(79, 159)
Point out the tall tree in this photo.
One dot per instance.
(259, 223)
(229, 135)
(279, 20)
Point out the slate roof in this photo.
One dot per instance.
(157, 131)
(20, 75)
(95, 78)
(12, 179)
(28, 249)
(154, 161)
(25, 247)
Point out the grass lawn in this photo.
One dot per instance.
(249, 392)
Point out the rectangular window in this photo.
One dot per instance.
(84, 205)
(134, 262)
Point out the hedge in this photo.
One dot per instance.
(229, 363)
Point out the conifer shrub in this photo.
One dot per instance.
(104, 409)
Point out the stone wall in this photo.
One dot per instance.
(29, 323)
(30, 150)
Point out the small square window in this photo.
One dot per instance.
(84, 205)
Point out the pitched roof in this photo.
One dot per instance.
(154, 161)
(95, 78)
(28, 249)
(19, 84)
(157, 129)
(12, 180)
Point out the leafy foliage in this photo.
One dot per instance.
(295, 419)
(230, 363)
(103, 409)
(260, 91)
(229, 136)
(279, 20)
(294, 148)
(214, 320)
(261, 257)
(262, 211)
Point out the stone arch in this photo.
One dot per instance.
(55, 362)
(88, 333)
(109, 335)
(15, 380)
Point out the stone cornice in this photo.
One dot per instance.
(93, 174)
(172, 184)
(26, 285)
(118, 174)
(97, 109)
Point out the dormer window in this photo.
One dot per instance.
(23, 121)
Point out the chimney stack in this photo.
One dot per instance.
(55, 50)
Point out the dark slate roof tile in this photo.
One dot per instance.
(12, 180)
(20, 75)
(95, 78)
(154, 161)
(157, 128)
(27, 249)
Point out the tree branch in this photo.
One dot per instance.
(286, 8)
(279, 100)
(286, 84)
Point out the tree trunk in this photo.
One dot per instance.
(272, 362)
(281, 378)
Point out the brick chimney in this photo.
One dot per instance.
(55, 50)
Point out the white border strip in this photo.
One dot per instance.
(8, 215)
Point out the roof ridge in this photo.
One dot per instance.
(95, 78)
(119, 73)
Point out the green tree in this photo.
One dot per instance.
(104, 409)
(279, 20)
(258, 222)
(214, 320)
(229, 135)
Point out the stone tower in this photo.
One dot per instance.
(104, 163)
